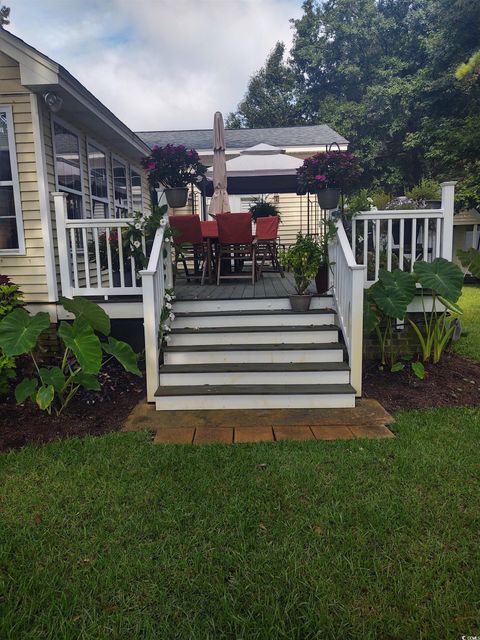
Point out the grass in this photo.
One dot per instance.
(469, 343)
(114, 538)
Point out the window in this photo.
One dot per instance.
(11, 227)
(120, 188)
(137, 195)
(97, 163)
(67, 168)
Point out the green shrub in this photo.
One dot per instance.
(303, 258)
(426, 189)
(10, 298)
(53, 387)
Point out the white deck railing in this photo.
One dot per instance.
(92, 255)
(398, 238)
(157, 277)
(347, 278)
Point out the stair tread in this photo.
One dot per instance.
(272, 329)
(254, 389)
(286, 346)
(242, 298)
(259, 312)
(235, 367)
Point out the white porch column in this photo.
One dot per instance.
(150, 321)
(60, 202)
(448, 202)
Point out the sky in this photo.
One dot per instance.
(158, 64)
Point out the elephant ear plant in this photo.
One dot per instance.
(388, 299)
(53, 387)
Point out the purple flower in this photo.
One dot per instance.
(320, 178)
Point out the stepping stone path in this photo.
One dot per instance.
(367, 420)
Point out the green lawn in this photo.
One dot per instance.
(113, 538)
(469, 343)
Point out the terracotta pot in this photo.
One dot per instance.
(176, 197)
(300, 303)
(328, 198)
(321, 279)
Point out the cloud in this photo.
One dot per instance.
(159, 64)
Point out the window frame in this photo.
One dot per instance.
(15, 184)
(110, 196)
(76, 132)
(142, 199)
(128, 182)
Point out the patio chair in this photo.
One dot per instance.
(235, 242)
(266, 237)
(189, 245)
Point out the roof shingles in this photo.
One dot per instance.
(202, 139)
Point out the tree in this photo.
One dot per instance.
(381, 72)
(4, 15)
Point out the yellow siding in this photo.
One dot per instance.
(28, 271)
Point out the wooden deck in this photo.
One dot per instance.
(270, 285)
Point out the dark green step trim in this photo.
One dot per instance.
(252, 312)
(268, 329)
(255, 389)
(252, 367)
(310, 346)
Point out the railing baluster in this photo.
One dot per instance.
(401, 241)
(109, 256)
(414, 243)
(73, 246)
(377, 248)
(354, 236)
(120, 257)
(97, 257)
(438, 232)
(86, 257)
(425, 239)
(389, 244)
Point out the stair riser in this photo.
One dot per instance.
(280, 401)
(255, 377)
(252, 357)
(263, 304)
(199, 322)
(257, 337)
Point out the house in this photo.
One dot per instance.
(71, 179)
(297, 212)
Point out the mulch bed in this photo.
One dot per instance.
(88, 413)
(455, 382)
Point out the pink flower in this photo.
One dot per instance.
(320, 178)
(155, 147)
(151, 166)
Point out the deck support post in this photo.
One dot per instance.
(60, 204)
(448, 203)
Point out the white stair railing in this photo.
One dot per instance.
(347, 278)
(92, 256)
(156, 278)
(398, 238)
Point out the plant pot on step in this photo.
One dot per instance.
(300, 302)
(328, 198)
(321, 279)
(433, 204)
(176, 197)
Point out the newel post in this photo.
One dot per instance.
(356, 345)
(150, 320)
(448, 204)
(60, 204)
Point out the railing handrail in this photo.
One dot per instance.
(155, 254)
(393, 214)
(346, 247)
(86, 223)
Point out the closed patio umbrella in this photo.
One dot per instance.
(219, 202)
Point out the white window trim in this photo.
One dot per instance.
(128, 181)
(14, 182)
(108, 164)
(59, 187)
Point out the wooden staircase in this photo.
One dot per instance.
(254, 354)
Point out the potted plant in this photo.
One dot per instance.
(174, 167)
(326, 174)
(302, 258)
(263, 209)
(427, 191)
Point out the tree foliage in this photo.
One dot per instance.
(4, 15)
(382, 73)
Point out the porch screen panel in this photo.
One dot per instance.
(120, 189)
(10, 214)
(67, 169)
(97, 163)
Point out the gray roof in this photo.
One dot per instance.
(202, 139)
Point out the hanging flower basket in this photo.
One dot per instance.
(328, 198)
(176, 197)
